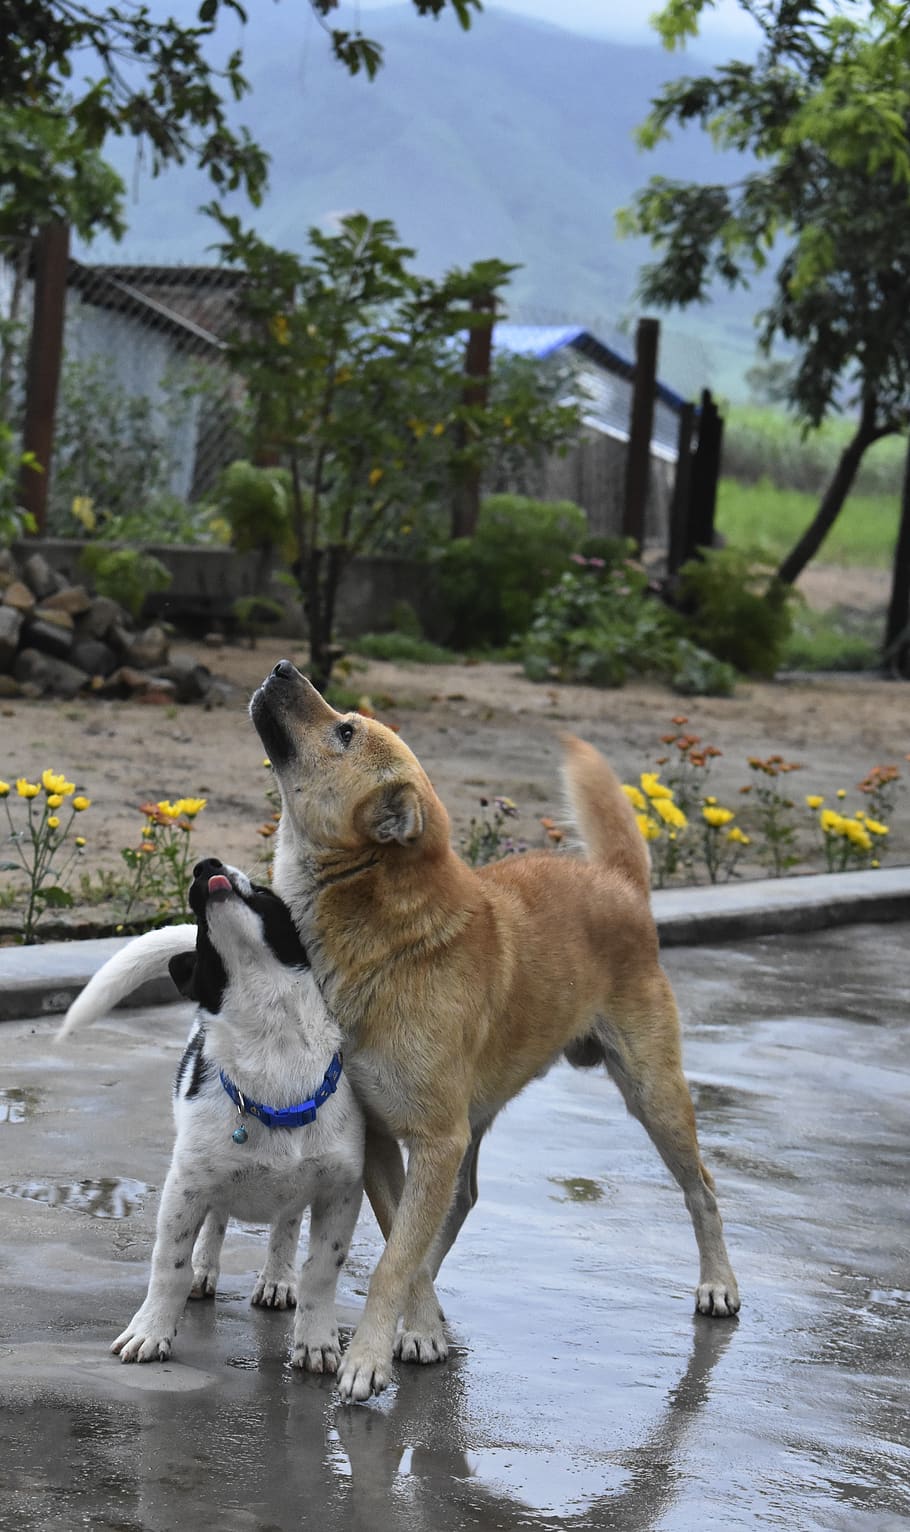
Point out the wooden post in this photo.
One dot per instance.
(897, 626)
(705, 474)
(678, 539)
(641, 423)
(45, 354)
(477, 362)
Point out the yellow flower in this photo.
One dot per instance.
(737, 836)
(375, 475)
(81, 803)
(647, 826)
(147, 846)
(857, 834)
(27, 789)
(841, 792)
(80, 841)
(710, 801)
(83, 508)
(4, 789)
(831, 823)
(189, 806)
(281, 330)
(167, 810)
(53, 823)
(670, 813)
(54, 801)
(55, 782)
(652, 785)
(635, 797)
(873, 826)
(717, 817)
(875, 863)
(815, 800)
(266, 761)
(438, 428)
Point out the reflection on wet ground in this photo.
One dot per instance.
(582, 1393)
(110, 1197)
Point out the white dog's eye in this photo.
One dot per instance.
(345, 733)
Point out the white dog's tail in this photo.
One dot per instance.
(145, 958)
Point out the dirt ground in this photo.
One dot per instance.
(480, 729)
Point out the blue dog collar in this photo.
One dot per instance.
(286, 1116)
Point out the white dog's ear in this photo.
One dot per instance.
(394, 814)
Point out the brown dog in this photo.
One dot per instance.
(455, 987)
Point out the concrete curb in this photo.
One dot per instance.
(44, 980)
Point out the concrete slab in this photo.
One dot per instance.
(45, 979)
(582, 1392)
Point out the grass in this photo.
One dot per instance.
(403, 649)
(765, 443)
(769, 520)
(833, 640)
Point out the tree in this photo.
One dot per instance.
(353, 370)
(154, 79)
(824, 109)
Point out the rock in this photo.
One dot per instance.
(47, 613)
(158, 691)
(192, 681)
(127, 681)
(149, 649)
(219, 694)
(9, 687)
(40, 577)
(9, 569)
(48, 674)
(214, 640)
(94, 657)
(19, 596)
(119, 636)
(10, 627)
(49, 637)
(101, 615)
(73, 599)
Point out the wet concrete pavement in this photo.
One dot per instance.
(582, 1392)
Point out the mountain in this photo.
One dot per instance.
(513, 140)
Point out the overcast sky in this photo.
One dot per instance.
(725, 27)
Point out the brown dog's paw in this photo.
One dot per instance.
(720, 1299)
(366, 1369)
(421, 1346)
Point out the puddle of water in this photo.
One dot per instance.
(544, 1481)
(108, 1198)
(577, 1189)
(18, 1102)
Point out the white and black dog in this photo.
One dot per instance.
(267, 1123)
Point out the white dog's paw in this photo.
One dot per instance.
(365, 1369)
(719, 1298)
(137, 1344)
(271, 1294)
(425, 1345)
(205, 1281)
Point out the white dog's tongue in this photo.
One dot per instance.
(220, 886)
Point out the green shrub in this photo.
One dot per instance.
(404, 619)
(402, 649)
(126, 575)
(698, 674)
(489, 582)
(737, 610)
(256, 503)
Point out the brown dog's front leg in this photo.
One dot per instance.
(425, 1199)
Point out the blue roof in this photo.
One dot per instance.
(542, 340)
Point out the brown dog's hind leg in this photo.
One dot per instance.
(642, 1053)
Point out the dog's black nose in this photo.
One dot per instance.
(284, 670)
(208, 868)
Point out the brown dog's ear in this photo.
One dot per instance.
(182, 970)
(394, 814)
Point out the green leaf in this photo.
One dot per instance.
(55, 898)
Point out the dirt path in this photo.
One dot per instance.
(481, 730)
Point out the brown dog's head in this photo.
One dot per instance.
(345, 780)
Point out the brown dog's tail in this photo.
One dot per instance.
(603, 814)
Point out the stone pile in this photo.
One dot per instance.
(58, 640)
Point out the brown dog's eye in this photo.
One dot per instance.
(345, 732)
